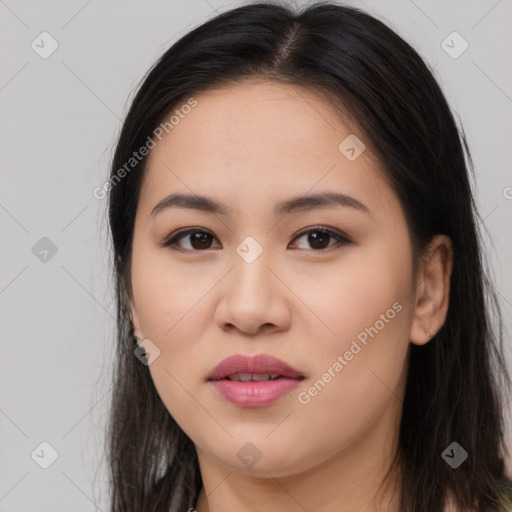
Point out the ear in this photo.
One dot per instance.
(432, 290)
(135, 319)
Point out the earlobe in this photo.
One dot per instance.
(432, 290)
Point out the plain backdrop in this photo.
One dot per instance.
(60, 117)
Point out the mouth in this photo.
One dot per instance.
(254, 381)
(259, 367)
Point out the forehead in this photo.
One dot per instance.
(255, 119)
(254, 141)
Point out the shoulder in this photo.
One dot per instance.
(506, 491)
(505, 487)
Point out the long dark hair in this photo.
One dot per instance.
(457, 382)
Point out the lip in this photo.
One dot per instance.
(252, 393)
(260, 363)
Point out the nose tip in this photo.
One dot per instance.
(254, 329)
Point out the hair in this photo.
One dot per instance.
(372, 77)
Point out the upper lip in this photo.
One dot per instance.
(260, 363)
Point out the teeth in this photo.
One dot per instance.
(257, 377)
(242, 377)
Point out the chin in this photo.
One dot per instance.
(261, 458)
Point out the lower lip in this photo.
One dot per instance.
(254, 394)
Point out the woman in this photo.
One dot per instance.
(304, 317)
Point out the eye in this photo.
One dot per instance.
(197, 238)
(318, 238)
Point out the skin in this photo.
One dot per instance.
(251, 146)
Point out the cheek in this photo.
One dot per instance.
(359, 371)
(361, 357)
(363, 296)
(167, 294)
(366, 348)
(173, 310)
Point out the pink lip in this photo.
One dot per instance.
(254, 394)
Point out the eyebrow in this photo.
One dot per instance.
(299, 203)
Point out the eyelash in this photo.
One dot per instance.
(176, 237)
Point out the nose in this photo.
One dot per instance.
(254, 300)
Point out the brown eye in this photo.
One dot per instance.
(200, 240)
(197, 240)
(319, 239)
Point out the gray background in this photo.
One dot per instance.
(59, 120)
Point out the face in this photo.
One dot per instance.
(323, 286)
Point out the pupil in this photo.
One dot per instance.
(201, 238)
(318, 236)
